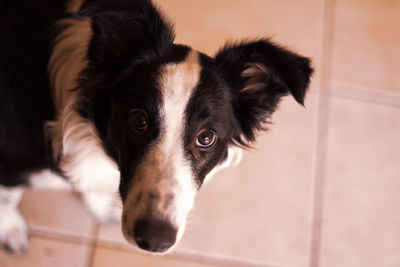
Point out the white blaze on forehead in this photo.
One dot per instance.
(178, 81)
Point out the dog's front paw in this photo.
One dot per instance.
(13, 232)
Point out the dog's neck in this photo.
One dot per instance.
(68, 59)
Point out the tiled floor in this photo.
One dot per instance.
(327, 192)
(361, 218)
(366, 47)
(49, 253)
(62, 213)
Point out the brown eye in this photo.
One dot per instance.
(138, 120)
(206, 138)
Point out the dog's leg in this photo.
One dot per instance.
(13, 229)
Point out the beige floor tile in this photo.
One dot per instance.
(361, 213)
(206, 25)
(260, 209)
(106, 257)
(57, 211)
(48, 253)
(110, 233)
(366, 47)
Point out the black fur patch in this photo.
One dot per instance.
(26, 33)
(209, 108)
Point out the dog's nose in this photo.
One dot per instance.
(154, 235)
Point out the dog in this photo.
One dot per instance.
(96, 97)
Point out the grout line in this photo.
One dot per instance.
(192, 256)
(319, 180)
(364, 93)
(93, 244)
(221, 260)
(54, 234)
(68, 237)
(358, 93)
(328, 19)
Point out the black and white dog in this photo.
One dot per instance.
(97, 92)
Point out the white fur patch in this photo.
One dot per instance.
(164, 170)
(83, 160)
(48, 180)
(13, 230)
(107, 207)
(178, 83)
(235, 155)
(75, 141)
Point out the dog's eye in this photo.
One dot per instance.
(206, 138)
(138, 120)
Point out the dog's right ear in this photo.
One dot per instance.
(122, 31)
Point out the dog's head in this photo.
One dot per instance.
(168, 114)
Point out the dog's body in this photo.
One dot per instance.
(98, 93)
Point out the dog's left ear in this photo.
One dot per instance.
(259, 73)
